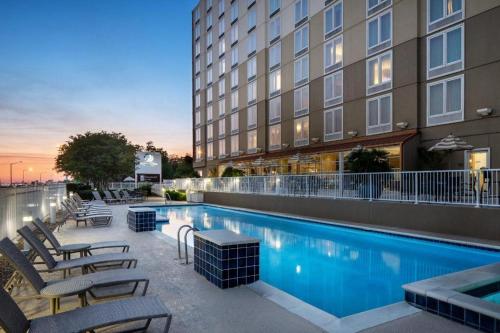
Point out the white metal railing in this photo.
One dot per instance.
(460, 187)
(126, 185)
(19, 205)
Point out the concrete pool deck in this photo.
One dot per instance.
(198, 306)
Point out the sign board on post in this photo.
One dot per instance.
(148, 167)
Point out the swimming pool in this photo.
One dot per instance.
(340, 270)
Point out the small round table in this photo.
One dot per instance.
(55, 291)
(73, 248)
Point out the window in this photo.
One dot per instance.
(379, 70)
(274, 29)
(209, 76)
(197, 100)
(222, 47)
(251, 43)
(334, 88)
(333, 54)
(209, 95)
(209, 21)
(222, 87)
(234, 100)
(252, 141)
(234, 78)
(275, 83)
(222, 107)
(222, 128)
(445, 52)
(333, 124)
(235, 145)
(197, 118)
(252, 18)
(379, 32)
(197, 48)
(197, 135)
(301, 133)
(252, 117)
(197, 14)
(234, 34)
(252, 68)
(374, 6)
(252, 92)
(235, 123)
(445, 100)
(197, 66)
(197, 31)
(210, 132)
(275, 137)
(222, 26)
(222, 148)
(379, 114)
(274, 5)
(210, 115)
(301, 10)
(333, 19)
(197, 83)
(209, 38)
(301, 70)
(222, 67)
(209, 57)
(221, 7)
(301, 101)
(234, 56)
(301, 39)
(199, 153)
(234, 11)
(210, 151)
(275, 110)
(441, 13)
(209, 4)
(275, 56)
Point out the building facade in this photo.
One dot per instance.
(292, 86)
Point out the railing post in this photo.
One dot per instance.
(416, 187)
(370, 186)
(478, 188)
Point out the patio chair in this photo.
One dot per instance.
(85, 263)
(119, 197)
(109, 198)
(12, 319)
(96, 218)
(54, 290)
(133, 197)
(97, 196)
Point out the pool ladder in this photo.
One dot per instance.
(190, 228)
(168, 199)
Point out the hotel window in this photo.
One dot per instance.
(197, 48)
(222, 67)
(333, 20)
(235, 123)
(222, 87)
(221, 7)
(379, 114)
(235, 145)
(210, 132)
(301, 133)
(209, 76)
(301, 11)
(222, 107)
(301, 71)
(209, 21)
(209, 57)
(275, 56)
(252, 18)
(234, 101)
(234, 78)
(222, 47)
(197, 118)
(197, 101)
(374, 6)
(234, 57)
(301, 101)
(379, 32)
(252, 117)
(209, 4)
(222, 148)
(209, 38)
(251, 43)
(379, 70)
(234, 34)
(275, 83)
(222, 127)
(445, 101)
(441, 13)
(333, 54)
(197, 83)
(301, 39)
(234, 11)
(445, 52)
(252, 141)
(210, 151)
(334, 88)
(333, 124)
(275, 110)
(222, 26)
(209, 95)
(252, 92)
(274, 6)
(275, 137)
(274, 29)
(199, 153)
(252, 68)
(197, 66)
(197, 14)
(197, 135)
(197, 31)
(210, 114)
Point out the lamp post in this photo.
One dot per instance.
(11, 164)
(24, 170)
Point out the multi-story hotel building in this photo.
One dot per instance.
(292, 86)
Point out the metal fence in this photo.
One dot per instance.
(126, 185)
(20, 205)
(460, 187)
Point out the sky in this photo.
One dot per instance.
(68, 67)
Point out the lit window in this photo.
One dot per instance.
(197, 83)
(209, 38)
(197, 101)
(301, 70)
(222, 107)
(222, 67)
(197, 48)
(445, 101)
(222, 47)
(275, 83)
(197, 135)
(275, 137)
(210, 115)
(275, 110)
(445, 52)
(221, 7)
(274, 28)
(234, 56)
(441, 13)
(234, 34)
(210, 132)
(301, 133)
(379, 114)
(210, 151)
(252, 141)
(209, 57)
(374, 6)
(222, 128)
(199, 153)
(222, 26)
(222, 87)
(333, 124)
(197, 118)
(252, 116)
(234, 100)
(252, 68)
(301, 39)
(235, 123)
(234, 11)
(252, 18)
(333, 89)
(379, 70)
(274, 5)
(379, 32)
(209, 21)
(209, 95)
(235, 145)
(222, 148)
(209, 75)
(333, 19)
(333, 54)
(301, 10)
(234, 78)
(252, 92)
(301, 101)
(252, 43)
(275, 56)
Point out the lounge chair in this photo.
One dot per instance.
(85, 263)
(119, 197)
(108, 197)
(97, 218)
(54, 290)
(128, 196)
(12, 319)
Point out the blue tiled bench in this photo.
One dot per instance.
(141, 219)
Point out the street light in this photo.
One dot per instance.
(11, 164)
(30, 169)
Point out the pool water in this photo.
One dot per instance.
(340, 270)
(493, 298)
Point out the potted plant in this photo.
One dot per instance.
(363, 160)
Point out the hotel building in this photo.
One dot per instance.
(292, 86)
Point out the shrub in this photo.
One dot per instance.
(232, 172)
(176, 195)
(145, 189)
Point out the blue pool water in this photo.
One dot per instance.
(339, 270)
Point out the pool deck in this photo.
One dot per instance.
(199, 306)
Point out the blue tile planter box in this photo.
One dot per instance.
(225, 258)
(141, 219)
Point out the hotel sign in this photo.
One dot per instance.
(148, 167)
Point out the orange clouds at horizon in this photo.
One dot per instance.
(35, 167)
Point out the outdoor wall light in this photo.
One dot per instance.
(315, 140)
(484, 112)
(27, 218)
(402, 125)
(352, 133)
(53, 204)
(285, 145)
(259, 150)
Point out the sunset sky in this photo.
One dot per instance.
(69, 67)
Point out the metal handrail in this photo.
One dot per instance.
(186, 244)
(167, 197)
(179, 238)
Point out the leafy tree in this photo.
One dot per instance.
(97, 158)
(173, 166)
(430, 160)
(183, 167)
(232, 172)
(368, 160)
